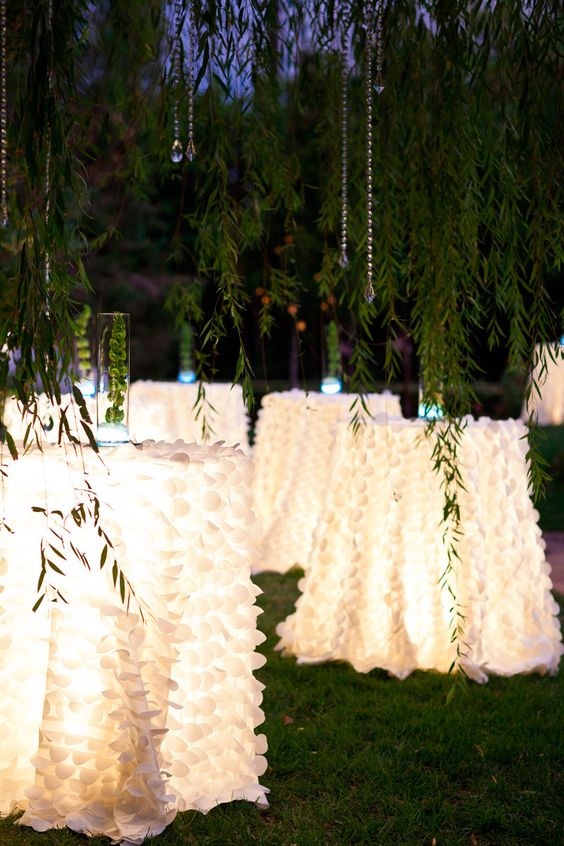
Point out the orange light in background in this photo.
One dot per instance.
(301, 325)
(259, 292)
(293, 309)
(265, 299)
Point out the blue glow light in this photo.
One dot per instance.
(87, 387)
(331, 385)
(429, 412)
(186, 376)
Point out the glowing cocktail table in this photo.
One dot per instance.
(293, 455)
(371, 593)
(109, 723)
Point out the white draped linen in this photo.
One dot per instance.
(111, 722)
(292, 454)
(166, 411)
(160, 411)
(46, 425)
(371, 594)
(548, 408)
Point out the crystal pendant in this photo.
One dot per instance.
(369, 294)
(343, 260)
(190, 150)
(176, 151)
(378, 88)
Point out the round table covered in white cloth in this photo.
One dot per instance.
(111, 722)
(292, 455)
(548, 408)
(45, 427)
(166, 411)
(371, 594)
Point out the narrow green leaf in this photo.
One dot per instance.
(38, 603)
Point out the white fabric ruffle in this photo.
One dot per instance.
(371, 595)
(293, 453)
(110, 723)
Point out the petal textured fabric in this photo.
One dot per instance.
(293, 453)
(113, 720)
(166, 411)
(548, 408)
(371, 595)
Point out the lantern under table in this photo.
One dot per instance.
(113, 720)
(293, 455)
(371, 595)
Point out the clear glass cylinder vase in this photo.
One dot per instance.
(112, 379)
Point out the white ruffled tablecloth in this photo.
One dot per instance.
(292, 455)
(111, 722)
(548, 409)
(165, 411)
(160, 411)
(46, 425)
(371, 595)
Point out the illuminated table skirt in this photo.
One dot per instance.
(160, 411)
(46, 424)
(165, 411)
(292, 456)
(371, 595)
(548, 409)
(110, 723)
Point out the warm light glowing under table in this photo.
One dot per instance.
(371, 594)
(292, 456)
(110, 724)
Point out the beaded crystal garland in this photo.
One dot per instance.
(3, 118)
(343, 259)
(177, 153)
(190, 147)
(376, 87)
(47, 185)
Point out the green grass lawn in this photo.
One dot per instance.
(368, 759)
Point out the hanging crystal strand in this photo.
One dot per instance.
(190, 147)
(344, 259)
(176, 153)
(48, 204)
(369, 290)
(379, 82)
(3, 118)
(48, 151)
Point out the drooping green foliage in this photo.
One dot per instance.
(466, 167)
(467, 161)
